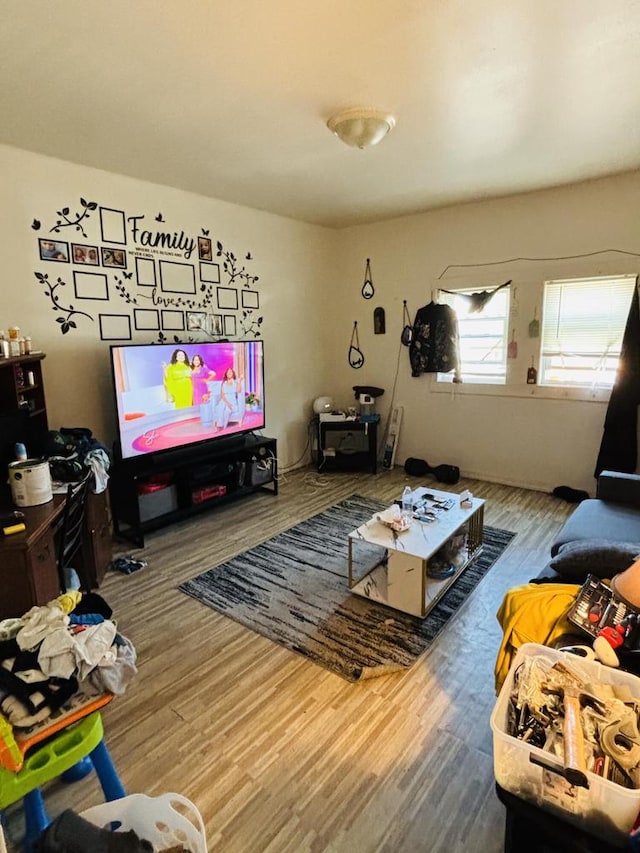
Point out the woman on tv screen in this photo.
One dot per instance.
(177, 379)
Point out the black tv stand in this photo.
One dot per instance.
(150, 492)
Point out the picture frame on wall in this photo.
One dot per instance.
(114, 258)
(230, 325)
(196, 321)
(82, 254)
(53, 250)
(216, 325)
(227, 298)
(204, 249)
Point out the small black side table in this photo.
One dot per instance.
(355, 448)
(529, 829)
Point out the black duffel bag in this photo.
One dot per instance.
(443, 473)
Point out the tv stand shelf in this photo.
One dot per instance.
(151, 492)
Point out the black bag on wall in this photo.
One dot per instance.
(443, 473)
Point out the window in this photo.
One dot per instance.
(484, 338)
(583, 321)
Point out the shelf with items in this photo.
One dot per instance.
(148, 492)
(23, 409)
(348, 445)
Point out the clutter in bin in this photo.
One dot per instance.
(566, 738)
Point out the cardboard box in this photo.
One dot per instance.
(605, 808)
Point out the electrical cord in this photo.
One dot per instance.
(307, 449)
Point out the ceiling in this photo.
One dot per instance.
(230, 99)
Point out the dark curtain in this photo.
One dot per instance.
(619, 446)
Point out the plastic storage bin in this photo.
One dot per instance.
(153, 818)
(157, 501)
(604, 809)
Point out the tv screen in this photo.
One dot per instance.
(170, 396)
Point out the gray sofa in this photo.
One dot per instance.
(602, 536)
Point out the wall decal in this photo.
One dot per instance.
(65, 222)
(230, 324)
(379, 322)
(176, 277)
(115, 327)
(112, 226)
(122, 291)
(145, 272)
(367, 288)
(197, 321)
(146, 319)
(230, 268)
(172, 321)
(204, 249)
(66, 322)
(53, 250)
(175, 272)
(227, 298)
(210, 273)
(81, 254)
(355, 356)
(250, 299)
(113, 258)
(250, 325)
(91, 285)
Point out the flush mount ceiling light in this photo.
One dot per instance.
(361, 128)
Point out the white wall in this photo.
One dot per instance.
(524, 440)
(291, 258)
(310, 283)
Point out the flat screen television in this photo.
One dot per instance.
(170, 396)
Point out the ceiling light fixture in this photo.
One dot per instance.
(361, 128)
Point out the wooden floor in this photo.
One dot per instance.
(280, 755)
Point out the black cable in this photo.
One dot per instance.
(560, 258)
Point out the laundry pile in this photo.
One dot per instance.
(57, 653)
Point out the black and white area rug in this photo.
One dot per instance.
(294, 590)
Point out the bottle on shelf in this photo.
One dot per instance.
(4, 345)
(14, 341)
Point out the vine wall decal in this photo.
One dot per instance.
(65, 222)
(69, 312)
(156, 269)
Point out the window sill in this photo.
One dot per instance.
(540, 392)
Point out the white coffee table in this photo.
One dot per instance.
(393, 568)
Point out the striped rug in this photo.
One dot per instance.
(293, 589)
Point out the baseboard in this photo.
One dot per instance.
(505, 481)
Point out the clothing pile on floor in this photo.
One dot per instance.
(54, 652)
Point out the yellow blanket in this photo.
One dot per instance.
(533, 613)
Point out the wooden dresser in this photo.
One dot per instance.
(28, 573)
